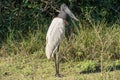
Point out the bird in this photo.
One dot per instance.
(55, 33)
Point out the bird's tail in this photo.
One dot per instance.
(48, 51)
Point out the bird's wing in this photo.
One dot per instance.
(54, 35)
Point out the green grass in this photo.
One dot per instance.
(89, 51)
(32, 67)
(86, 53)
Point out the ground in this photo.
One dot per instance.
(34, 67)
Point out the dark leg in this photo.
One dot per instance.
(56, 57)
(56, 65)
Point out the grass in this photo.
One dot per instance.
(25, 67)
(31, 67)
(87, 53)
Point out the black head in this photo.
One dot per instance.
(65, 13)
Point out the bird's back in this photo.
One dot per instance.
(54, 35)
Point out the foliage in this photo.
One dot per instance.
(24, 23)
(88, 66)
(92, 43)
(30, 14)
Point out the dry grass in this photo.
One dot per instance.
(31, 67)
(24, 58)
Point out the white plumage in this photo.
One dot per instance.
(54, 35)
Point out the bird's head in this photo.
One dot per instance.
(65, 12)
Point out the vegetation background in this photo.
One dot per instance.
(89, 46)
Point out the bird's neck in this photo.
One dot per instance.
(64, 16)
(65, 21)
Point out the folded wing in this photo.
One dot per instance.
(54, 35)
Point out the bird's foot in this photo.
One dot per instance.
(58, 75)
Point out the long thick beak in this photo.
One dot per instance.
(67, 10)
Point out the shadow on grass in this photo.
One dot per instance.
(98, 69)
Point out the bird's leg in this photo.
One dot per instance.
(56, 57)
(56, 64)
